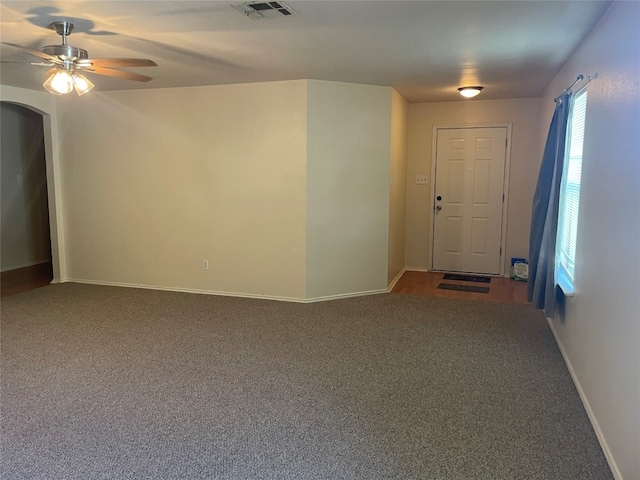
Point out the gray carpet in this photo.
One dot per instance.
(110, 383)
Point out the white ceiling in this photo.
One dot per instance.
(424, 49)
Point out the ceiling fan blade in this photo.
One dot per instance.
(37, 53)
(119, 62)
(117, 73)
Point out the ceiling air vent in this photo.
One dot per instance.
(259, 10)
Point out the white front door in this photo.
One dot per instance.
(468, 203)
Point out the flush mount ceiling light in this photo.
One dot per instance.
(469, 92)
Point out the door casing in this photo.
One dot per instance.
(505, 187)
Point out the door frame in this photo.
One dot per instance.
(44, 104)
(505, 187)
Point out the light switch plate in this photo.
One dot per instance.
(422, 180)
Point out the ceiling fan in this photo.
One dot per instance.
(68, 63)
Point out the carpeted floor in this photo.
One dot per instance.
(109, 383)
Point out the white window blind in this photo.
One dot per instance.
(570, 195)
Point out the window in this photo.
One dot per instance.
(570, 196)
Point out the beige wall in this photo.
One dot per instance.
(524, 116)
(600, 333)
(283, 187)
(156, 181)
(398, 187)
(348, 154)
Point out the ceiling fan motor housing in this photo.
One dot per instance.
(66, 52)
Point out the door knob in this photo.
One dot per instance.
(438, 208)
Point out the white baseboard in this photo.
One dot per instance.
(594, 422)
(416, 269)
(395, 280)
(345, 295)
(225, 294)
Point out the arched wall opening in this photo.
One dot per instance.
(44, 105)
(25, 246)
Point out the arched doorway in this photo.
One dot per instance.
(25, 246)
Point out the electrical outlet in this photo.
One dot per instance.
(205, 264)
(422, 180)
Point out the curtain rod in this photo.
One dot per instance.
(578, 79)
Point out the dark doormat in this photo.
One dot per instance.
(466, 278)
(463, 288)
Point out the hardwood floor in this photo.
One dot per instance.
(501, 289)
(25, 279)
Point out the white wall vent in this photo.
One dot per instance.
(259, 10)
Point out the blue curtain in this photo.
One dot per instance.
(542, 290)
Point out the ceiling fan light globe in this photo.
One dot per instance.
(59, 83)
(82, 84)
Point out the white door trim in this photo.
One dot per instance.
(505, 190)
